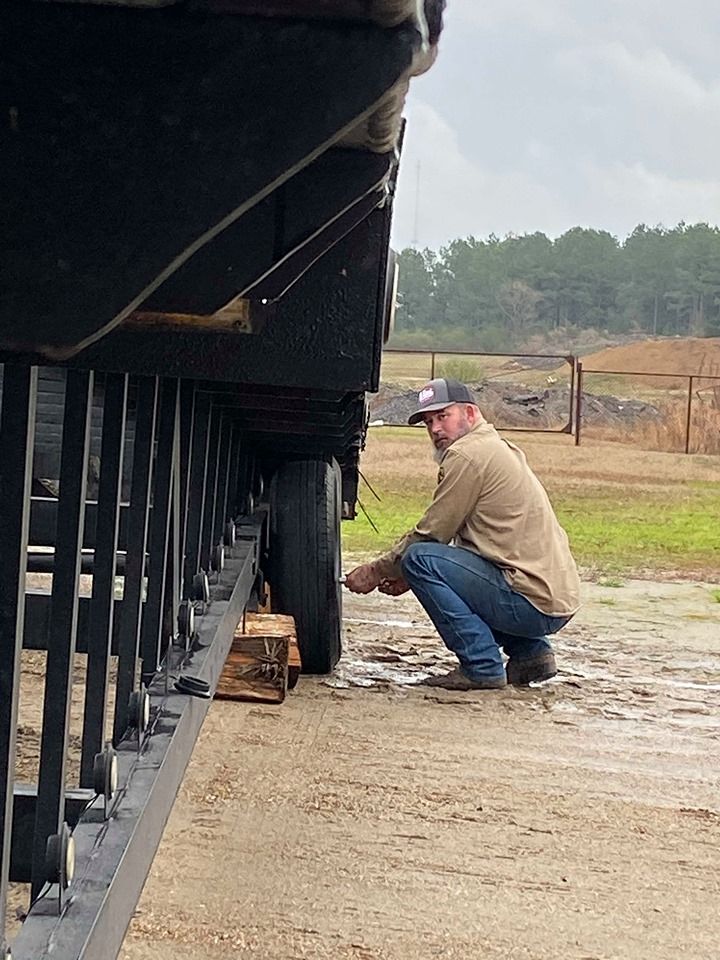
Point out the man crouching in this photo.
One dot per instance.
(488, 560)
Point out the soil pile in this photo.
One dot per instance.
(512, 405)
(689, 356)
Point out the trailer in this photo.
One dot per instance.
(195, 288)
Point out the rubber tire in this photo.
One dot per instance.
(305, 557)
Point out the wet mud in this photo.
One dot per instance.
(372, 818)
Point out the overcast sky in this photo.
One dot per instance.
(546, 114)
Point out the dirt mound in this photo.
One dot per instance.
(689, 356)
(504, 404)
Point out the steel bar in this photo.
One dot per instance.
(245, 483)
(188, 400)
(220, 507)
(211, 473)
(152, 621)
(137, 526)
(44, 562)
(263, 424)
(61, 646)
(113, 858)
(651, 373)
(282, 406)
(196, 495)
(103, 589)
(233, 476)
(481, 353)
(17, 428)
(174, 559)
(330, 420)
(267, 394)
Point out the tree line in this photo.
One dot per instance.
(502, 291)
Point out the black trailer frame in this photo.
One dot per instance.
(197, 286)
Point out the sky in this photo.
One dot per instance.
(549, 114)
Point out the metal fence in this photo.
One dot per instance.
(693, 386)
(691, 394)
(433, 370)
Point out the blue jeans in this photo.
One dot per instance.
(474, 609)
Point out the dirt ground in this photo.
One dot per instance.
(371, 819)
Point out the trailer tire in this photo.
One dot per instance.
(305, 557)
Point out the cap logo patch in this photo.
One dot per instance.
(426, 394)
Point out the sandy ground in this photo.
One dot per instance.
(367, 818)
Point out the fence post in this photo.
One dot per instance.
(578, 403)
(573, 361)
(689, 415)
(432, 365)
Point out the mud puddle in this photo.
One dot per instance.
(639, 663)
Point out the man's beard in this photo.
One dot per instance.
(439, 452)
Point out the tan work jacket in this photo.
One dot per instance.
(488, 500)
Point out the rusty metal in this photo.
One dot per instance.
(691, 378)
(578, 403)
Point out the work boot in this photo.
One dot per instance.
(520, 673)
(456, 680)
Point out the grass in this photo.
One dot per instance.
(626, 512)
(643, 530)
(715, 594)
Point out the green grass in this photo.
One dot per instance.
(715, 594)
(643, 531)
(613, 532)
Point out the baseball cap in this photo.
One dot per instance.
(440, 393)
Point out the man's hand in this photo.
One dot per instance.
(394, 588)
(363, 579)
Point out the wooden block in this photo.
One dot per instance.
(277, 624)
(256, 669)
(264, 660)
